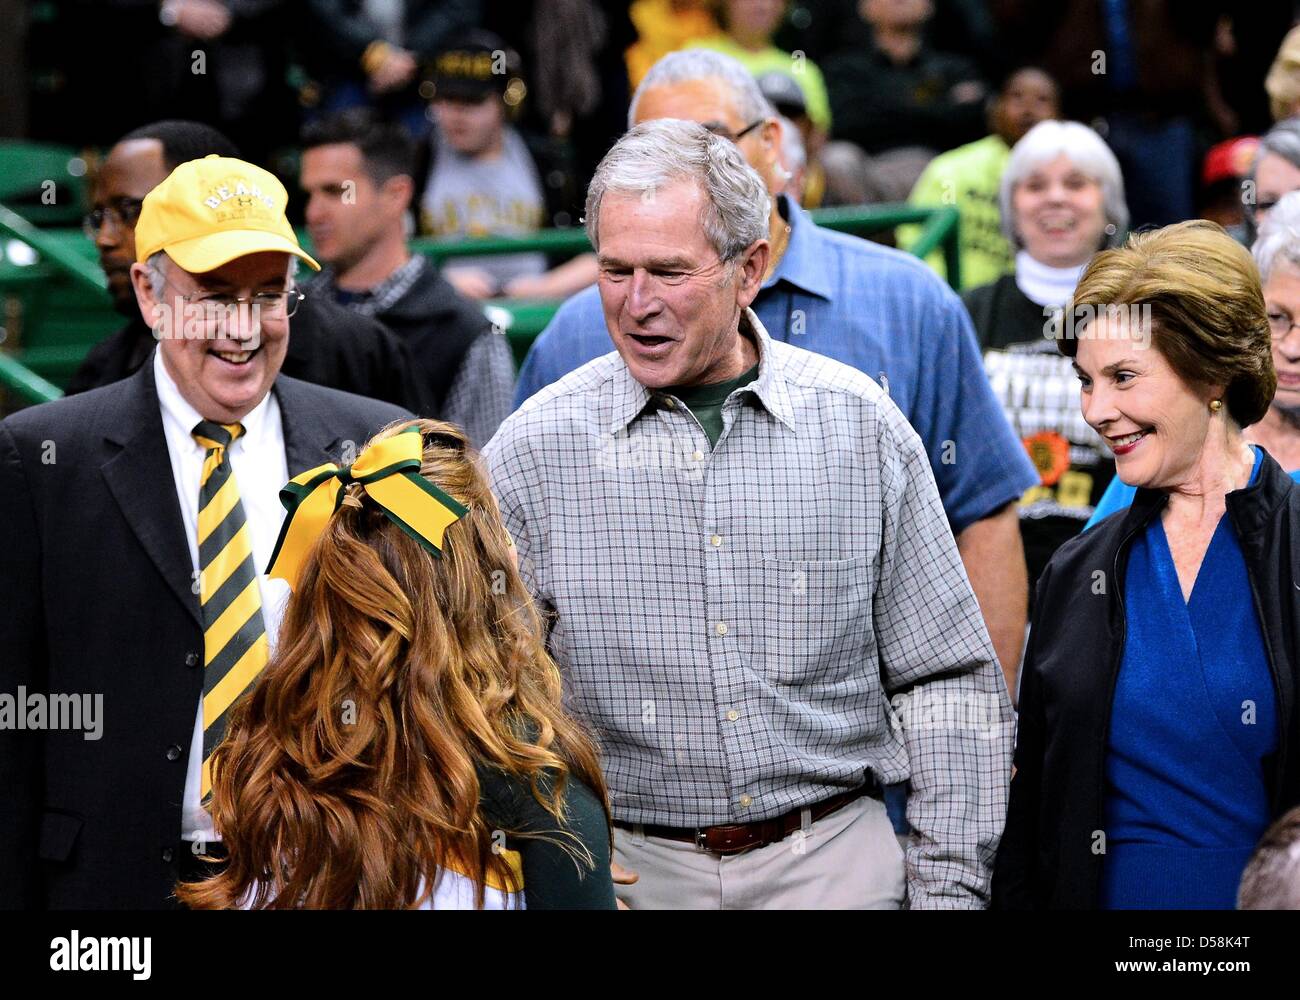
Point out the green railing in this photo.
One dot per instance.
(939, 228)
(62, 259)
(25, 382)
(78, 268)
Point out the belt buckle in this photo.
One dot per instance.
(701, 839)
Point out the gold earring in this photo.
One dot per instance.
(1216, 405)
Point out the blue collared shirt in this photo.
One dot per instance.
(886, 314)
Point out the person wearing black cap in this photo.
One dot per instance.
(801, 139)
(483, 179)
(369, 53)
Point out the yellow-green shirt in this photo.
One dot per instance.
(800, 69)
(969, 178)
(663, 26)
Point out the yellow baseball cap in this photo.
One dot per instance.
(210, 211)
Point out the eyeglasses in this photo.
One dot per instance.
(725, 133)
(1281, 324)
(220, 303)
(124, 212)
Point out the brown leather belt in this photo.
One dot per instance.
(734, 838)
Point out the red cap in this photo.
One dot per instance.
(1229, 160)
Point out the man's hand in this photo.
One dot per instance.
(395, 72)
(472, 282)
(202, 19)
(622, 876)
(968, 91)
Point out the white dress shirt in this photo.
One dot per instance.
(258, 461)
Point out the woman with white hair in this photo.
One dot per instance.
(1275, 172)
(1277, 255)
(1062, 200)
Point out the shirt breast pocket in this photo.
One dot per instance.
(815, 624)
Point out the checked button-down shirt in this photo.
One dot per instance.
(749, 628)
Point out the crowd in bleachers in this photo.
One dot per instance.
(897, 81)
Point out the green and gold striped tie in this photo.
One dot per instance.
(234, 633)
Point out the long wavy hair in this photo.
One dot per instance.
(349, 774)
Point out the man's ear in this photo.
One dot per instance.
(398, 191)
(750, 271)
(151, 310)
(769, 134)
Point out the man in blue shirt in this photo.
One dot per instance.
(880, 310)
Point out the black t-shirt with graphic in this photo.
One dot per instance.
(1039, 393)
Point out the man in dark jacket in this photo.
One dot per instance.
(357, 175)
(220, 61)
(137, 521)
(899, 91)
(330, 346)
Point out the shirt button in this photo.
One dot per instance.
(715, 541)
(669, 403)
(732, 715)
(167, 854)
(698, 456)
(722, 628)
(173, 752)
(191, 659)
(745, 800)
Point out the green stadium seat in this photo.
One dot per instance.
(44, 183)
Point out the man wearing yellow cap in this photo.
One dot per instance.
(137, 521)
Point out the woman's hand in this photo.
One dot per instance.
(622, 876)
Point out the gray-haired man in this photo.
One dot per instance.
(754, 592)
(875, 308)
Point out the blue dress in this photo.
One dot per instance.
(1193, 718)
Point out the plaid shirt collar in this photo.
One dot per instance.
(631, 398)
(387, 292)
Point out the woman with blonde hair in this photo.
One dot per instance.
(1158, 712)
(406, 745)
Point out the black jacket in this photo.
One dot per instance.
(339, 31)
(96, 577)
(1046, 859)
(435, 323)
(328, 345)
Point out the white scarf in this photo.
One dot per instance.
(1044, 285)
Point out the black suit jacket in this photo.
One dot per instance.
(97, 599)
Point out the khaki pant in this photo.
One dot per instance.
(849, 860)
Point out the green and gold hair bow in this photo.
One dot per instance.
(389, 472)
